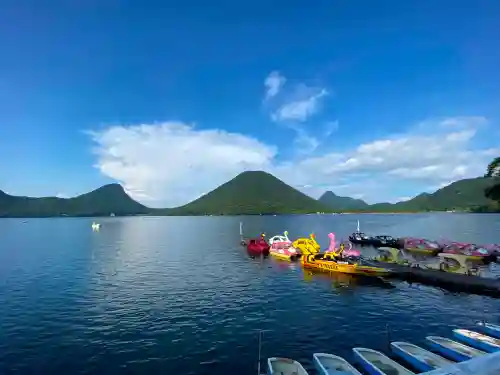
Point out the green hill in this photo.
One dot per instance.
(251, 193)
(462, 195)
(338, 203)
(100, 202)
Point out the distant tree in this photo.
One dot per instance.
(493, 169)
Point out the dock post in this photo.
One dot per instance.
(388, 336)
(260, 346)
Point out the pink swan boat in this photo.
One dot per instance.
(346, 252)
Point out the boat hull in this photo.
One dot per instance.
(477, 340)
(343, 267)
(490, 329)
(380, 362)
(258, 249)
(284, 256)
(419, 358)
(284, 366)
(452, 349)
(329, 364)
(422, 251)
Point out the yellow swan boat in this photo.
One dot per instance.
(313, 259)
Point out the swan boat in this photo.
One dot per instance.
(282, 248)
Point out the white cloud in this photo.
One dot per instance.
(300, 110)
(172, 163)
(273, 83)
(62, 195)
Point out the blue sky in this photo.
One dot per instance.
(380, 100)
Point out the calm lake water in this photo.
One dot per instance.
(178, 295)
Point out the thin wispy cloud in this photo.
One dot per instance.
(293, 107)
(273, 83)
(300, 110)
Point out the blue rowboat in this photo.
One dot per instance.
(421, 359)
(284, 366)
(452, 349)
(490, 329)
(376, 363)
(329, 364)
(477, 340)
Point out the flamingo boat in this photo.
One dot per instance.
(282, 248)
(341, 252)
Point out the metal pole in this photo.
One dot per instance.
(260, 345)
(388, 334)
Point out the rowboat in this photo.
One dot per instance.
(284, 366)
(421, 359)
(478, 340)
(490, 329)
(376, 363)
(329, 364)
(452, 349)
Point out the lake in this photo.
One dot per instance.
(179, 295)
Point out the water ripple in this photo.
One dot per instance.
(145, 296)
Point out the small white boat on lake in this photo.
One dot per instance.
(490, 329)
(329, 364)
(284, 366)
(452, 349)
(376, 363)
(478, 340)
(421, 359)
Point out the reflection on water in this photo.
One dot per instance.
(179, 295)
(342, 280)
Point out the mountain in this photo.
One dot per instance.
(462, 195)
(252, 192)
(338, 203)
(107, 199)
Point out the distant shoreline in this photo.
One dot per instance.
(235, 215)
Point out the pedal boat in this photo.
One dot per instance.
(282, 248)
